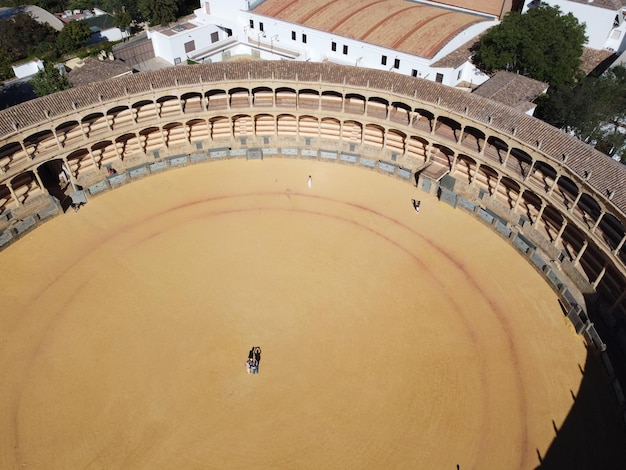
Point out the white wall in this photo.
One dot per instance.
(275, 40)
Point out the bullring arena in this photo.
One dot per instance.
(482, 332)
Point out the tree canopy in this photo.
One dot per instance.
(542, 44)
(73, 35)
(158, 11)
(49, 80)
(594, 110)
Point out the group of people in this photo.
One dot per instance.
(416, 205)
(254, 358)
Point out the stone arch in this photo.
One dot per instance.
(174, 134)
(220, 128)
(10, 154)
(262, 97)
(416, 149)
(287, 125)
(39, 142)
(530, 205)
(198, 129)
(6, 199)
(94, 123)
(566, 191)
(308, 126)
(487, 178)
(354, 103)
(394, 142)
(473, 139)
(242, 126)
(519, 163)
(508, 192)
(423, 120)
(151, 138)
(442, 155)
(217, 100)
(128, 144)
(192, 102)
(120, 116)
(542, 175)
(611, 231)
(80, 161)
(377, 107)
(465, 168)
(447, 129)
(352, 131)
(552, 220)
(264, 125)
(330, 128)
(373, 136)
(496, 149)
(25, 186)
(68, 132)
(286, 97)
(239, 98)
(331, 101)
(103, 152)
(145, 111)
(400, 113)
(168, 106)
(588, 210)
(308, 99)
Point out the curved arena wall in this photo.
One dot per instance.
(560, 202)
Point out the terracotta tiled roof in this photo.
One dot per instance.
(415, 28)
(591, 58)
(603, 174)
(458, 56)
(511, 89)
(490, 7)
(95, 70)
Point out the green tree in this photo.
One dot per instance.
(73, 35)
(122, 20)
(6, 71)
(49, 80)
(542, 44)
(593, 109)
(21, 37)
(158, 11)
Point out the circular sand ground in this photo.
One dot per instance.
(390, 339)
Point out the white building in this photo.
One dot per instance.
(403, 36)
(604, 20)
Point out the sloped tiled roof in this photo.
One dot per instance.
(511, 89)
(415, 28)
(94, 70)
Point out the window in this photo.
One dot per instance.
(303, 38)
(458, 76)
(345, 50)
(293, 35)
(190, 46)
(261, 26)
(414, 73)
(383, 60)
(333, 46)
(215, 37)
(176, 60)
(251, 24)
(396, 63)
(439, 78)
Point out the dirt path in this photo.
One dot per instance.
(390, 339)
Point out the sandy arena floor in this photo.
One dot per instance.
(390, 339)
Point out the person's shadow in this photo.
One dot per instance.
(257, 354)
